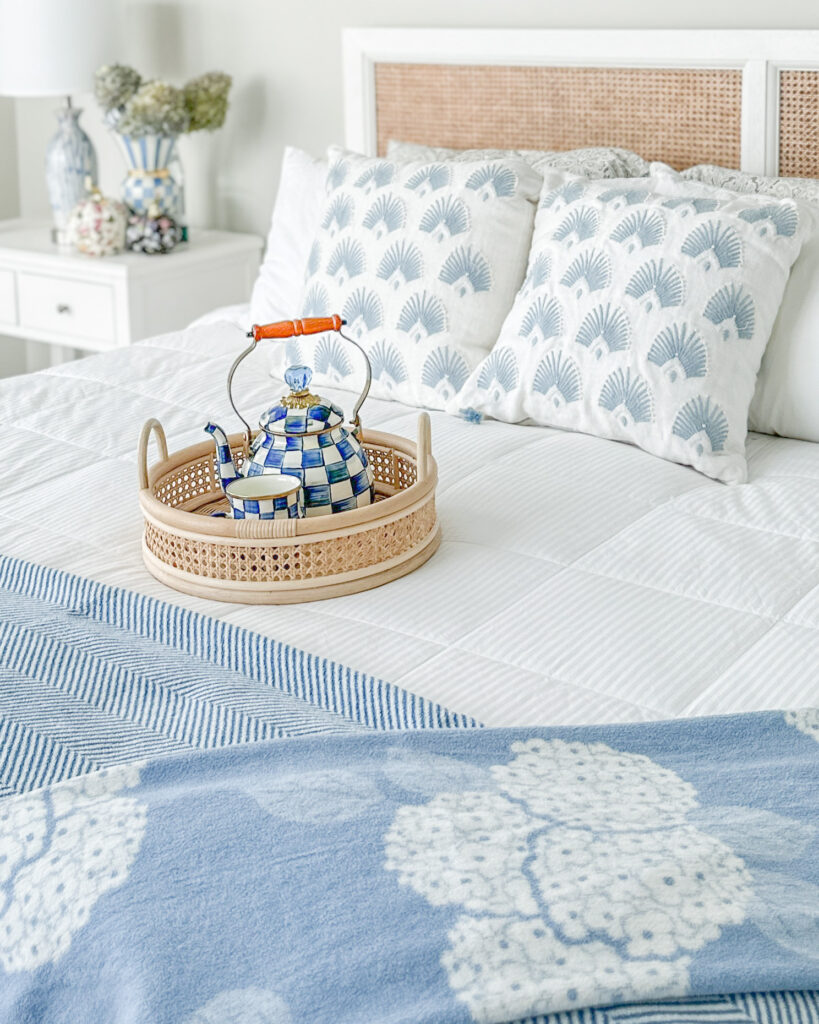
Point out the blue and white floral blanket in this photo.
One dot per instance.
(424, 877)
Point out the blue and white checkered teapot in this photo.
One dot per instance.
(303, 435)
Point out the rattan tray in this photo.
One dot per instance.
(284, 561)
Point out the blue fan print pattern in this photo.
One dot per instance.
(558, 379)
(656, 285)
(579, 225)
(686, 206)
(387, 214)
(680, 352)
(429, 179)
(422, 315)
(605, 329)
(387, 364)
(376, 176)
(563, 196)
(701, 422)
(539, 269)
(339, 214)
(777, 219)
(619, 197)
(493, 180)
(313, 260)
(543, 320)
(467, 271)
(714, 245)
(499, 372)
(337, 174)
(346, 261)
(588, 272)
(401, 264)
(445, 372)
(732, 310)
(316, 301)
(363, 312)
(627, 397)
(446, 218)
(639, 230)
(332, 358)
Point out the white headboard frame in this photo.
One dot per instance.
(759, 54)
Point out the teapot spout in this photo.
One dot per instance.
(226, 466)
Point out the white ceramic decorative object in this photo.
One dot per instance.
(96, 225)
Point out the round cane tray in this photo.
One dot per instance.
(283, 561)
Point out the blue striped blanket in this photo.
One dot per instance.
(228, 831)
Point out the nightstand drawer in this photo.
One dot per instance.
(8, 298)
(65, 306)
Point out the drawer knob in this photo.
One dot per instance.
(63, 307)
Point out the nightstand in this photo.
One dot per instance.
(82, 302)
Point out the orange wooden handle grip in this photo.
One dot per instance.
(289, 328)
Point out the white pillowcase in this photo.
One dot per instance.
(644, 314)
(277, 291)
(593, 162)
(786, 401)
(423, 260)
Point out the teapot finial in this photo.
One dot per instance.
(298, 378)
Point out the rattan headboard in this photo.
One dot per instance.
(747, 99)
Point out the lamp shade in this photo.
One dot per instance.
(53, 47)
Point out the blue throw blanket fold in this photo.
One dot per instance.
(211, 827)
(426, 877)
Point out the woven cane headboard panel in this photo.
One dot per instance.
(682, 116)
(799, 124)
(746, 98)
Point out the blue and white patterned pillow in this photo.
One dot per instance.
(643, 317)
(423, 260)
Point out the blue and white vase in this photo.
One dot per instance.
(149, 178)
(70, 162)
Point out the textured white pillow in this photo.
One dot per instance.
(644, 314)
(423, 260)
(277, 291)
(593, 162)
(786, 401)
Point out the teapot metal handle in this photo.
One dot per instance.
(282, 329)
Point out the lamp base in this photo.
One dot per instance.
(70, 161)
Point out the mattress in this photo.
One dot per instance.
(579, 580)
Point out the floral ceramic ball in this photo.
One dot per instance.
(152, 232)
(96, 225)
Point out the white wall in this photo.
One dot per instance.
(285, 57)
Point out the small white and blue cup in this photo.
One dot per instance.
(267, 496)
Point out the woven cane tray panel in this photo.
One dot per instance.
(799, 124)
(682, 116)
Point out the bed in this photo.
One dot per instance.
(625, 589)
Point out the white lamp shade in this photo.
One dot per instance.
(53, 47)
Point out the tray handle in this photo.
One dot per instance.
(152, 426)
(424, 447)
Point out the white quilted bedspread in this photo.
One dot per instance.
(579, 580)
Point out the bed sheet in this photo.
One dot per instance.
(623, 588)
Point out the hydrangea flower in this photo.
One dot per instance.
(114, 85)
(156, 108)
(580, 878)
(206, 99)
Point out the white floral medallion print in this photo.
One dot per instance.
(581, 879)
(806, 720)
(61, 849)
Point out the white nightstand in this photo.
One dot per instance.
(67, 299)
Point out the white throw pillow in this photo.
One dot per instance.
(423, 260)
(645, 311)
(786, 401)
(277, 291)
(593, 162)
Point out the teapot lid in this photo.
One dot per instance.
(301, 412)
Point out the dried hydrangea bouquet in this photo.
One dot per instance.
(146, 118)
